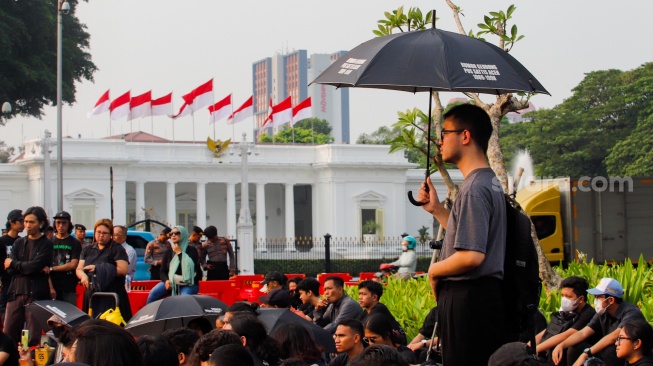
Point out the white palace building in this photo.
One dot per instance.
(295, 190)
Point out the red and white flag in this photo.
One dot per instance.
(245, 111)
(302, 111)
(119, 107)
(140, 105)
(198, 98)
(101, 106)
(162, 106)
(268, 119)
(220, 110)
(282, 112)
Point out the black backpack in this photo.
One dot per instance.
(521, 278)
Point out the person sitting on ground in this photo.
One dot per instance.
(273, 280)
(201, 325)
(157, 350)
(180, 271)
(253, 336)
(101, 343)
(635, 344)
(9, 355)
(296, 341)
(407, 261)
(309, 294)
(237, 307)
(574, 315)
(379, 355)
(612, 312)
(295, 301)
(231, 355)
(205, 346)
(277, 298)
(335, 306)
(423, 337)
(349, 341)
(378, 330)
(183, 339)
(369, 297)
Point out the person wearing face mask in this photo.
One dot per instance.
(407, 261)
(612, 312)
(573, 316)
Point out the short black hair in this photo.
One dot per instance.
(157, 350)
(353, 324)
(295, 279)
(339, 282)
(182, 338)
(373, 287)
(211, 232)
(209, 342)
(577, 284)
(166, 230)
(231, 355)
(473, 119)
(379, 355)
(309, 284)
(198, 230)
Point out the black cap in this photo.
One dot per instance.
(274, 276)
(63, 215)
(198, 230)
(15, 215)
(80, 227)
(278, 297)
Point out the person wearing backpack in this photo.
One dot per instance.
(612, 313)
(467, 280)
(575, 313)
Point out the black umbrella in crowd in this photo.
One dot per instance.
(427, 61)
(174, 312)
(68, 313)
(272, 318)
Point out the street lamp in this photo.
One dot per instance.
(46, 144)
(63, 7)
(6, 110)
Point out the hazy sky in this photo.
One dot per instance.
(166, 46)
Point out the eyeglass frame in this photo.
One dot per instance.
(175, 233)
(444, 131)
(619, 339)
(370, 340)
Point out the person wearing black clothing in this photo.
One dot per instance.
(218, 251)
(14, 227)
(423, 339)
(369, 295)
(65, 258)
(184, 278)
(378, 330)
(28, 259)
(349, 341)
(635, 343)
(8, 351)
(102, 267)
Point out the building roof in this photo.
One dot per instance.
(138, 136)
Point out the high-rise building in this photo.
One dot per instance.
(289, 74)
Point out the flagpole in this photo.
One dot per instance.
(312, 132)
(151, 123)
(214, 130)
(192, 115)
(293, 132)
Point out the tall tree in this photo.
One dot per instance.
(28, 40)
(307, 131)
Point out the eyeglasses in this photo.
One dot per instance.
(619, 339)
(370, 340)
(175, 233)
(102, 233)
(443, 132)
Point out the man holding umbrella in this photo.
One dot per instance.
(466, 280)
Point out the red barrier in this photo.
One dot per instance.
(144, 285)
(137, 299)
(321, 277)
(292, 275)
(223, 290)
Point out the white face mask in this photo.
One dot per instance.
(568, 305)
(404, 248)
(598, 306)
(264, 289)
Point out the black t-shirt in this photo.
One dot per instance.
(645, 361)
(192, 253)
(429, 323)
(6, 241)
(29, 257)
(341, 360)
(7, 345)
(606, 323)
(64, 251)
(584, 317)
(92, 254)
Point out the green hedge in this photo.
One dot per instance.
(311, 267)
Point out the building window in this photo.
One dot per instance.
(187, 219)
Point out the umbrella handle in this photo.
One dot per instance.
(415, 202)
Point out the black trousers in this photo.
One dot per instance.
(470, 320)
(220, 271)
(608, 355)
(155, 273)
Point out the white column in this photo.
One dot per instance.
(140, 200)
(231, 210)
(290, 217)
(201, 204)
(261, 222)
(171, 204)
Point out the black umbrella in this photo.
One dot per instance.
(68, 313)
(272, 318)
(427, 61)
(174, 312)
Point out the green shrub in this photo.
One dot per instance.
(311, 267)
